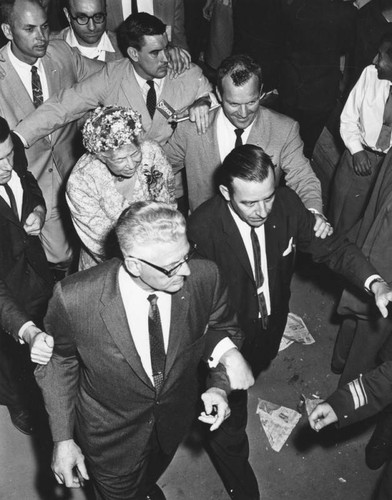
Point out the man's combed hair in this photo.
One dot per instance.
(7, 7)
(4, 130)
(247, 162)
(240, 69)
(148, 221)
(131, 31)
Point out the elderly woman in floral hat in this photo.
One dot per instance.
(117, 170)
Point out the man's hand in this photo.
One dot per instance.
(68, 464)
(199, 113)
(207, 9)
(40, 343)
(179, 61)
(361, 164)
(322, 228)
(35, 221)
(216, 407)
(322, 416)
(237, 369)
(382, 296)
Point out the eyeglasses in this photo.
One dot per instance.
(83, 19)
(174, 270)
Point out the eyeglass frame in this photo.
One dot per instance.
(75, 18)
(174, 270)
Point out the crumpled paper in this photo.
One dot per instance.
(295, 331)
(309, 404)
(277, 421)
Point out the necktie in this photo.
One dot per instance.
(384, 139)
(134, 7)
(12, 199)
(38, 98)
(151, 101)
(259, 277)
(238, 140)
(157, 348)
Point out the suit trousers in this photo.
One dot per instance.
(350, 192)
(137, 484)
(385, 486)
(228, 448)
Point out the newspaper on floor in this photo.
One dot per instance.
(295, 331)
(277, 421)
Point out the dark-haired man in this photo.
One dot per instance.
(87, 30)
(25, 281)
(252, 230)
(241, 120)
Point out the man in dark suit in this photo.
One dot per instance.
(25, 282)
(124, 371)
(252, 231)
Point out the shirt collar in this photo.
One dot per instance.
(104, 45)
(227, 123)
(142, 81)
(21, 66)
(134, 288)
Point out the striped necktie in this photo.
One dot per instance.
(38, 97)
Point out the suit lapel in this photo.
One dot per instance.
(179, 311)
(113, 315)
(133, 94)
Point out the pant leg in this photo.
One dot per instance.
(10, 393)
(385, 487)
(228, 448)
(343, 343)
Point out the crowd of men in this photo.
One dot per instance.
(195, 308)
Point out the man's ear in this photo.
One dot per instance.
(133, 54)
(65, 10)
(133, 266)
(224, 192)
(7, 31)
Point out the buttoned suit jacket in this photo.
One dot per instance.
(109, 56)
(289, 227)
(25, 281)
(115, 84)
(277, 134)
(107, 392)
(63, 67)
(170, 12)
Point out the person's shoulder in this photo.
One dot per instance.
(59, 35)
(209, 213)
(193, 73)
(274, 117)
(58, 46)
(88, 277)
(287, 202)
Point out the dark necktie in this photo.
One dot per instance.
(259, 278)
(12, 199)
(238, 140)
(38, 97)
(135, 10)
(157, 347)
(151, 101)
(384, 139)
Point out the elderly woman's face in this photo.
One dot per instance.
(122, 161)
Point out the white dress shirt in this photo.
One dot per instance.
(24, 72)
(244, 230)
(362, 116)
(144, 87)
(16, 186)
(226, 135)
(98, 52)
(142, 6)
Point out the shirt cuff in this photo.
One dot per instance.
(25, 144)
(220, 349)
(369, 281)
(314, 211)
(22, 329)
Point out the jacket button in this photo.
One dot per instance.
(50, 169)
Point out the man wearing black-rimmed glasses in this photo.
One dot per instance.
(87, 30)
(128, 339)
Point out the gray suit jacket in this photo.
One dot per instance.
(170, 12)
(115, 84)
(63, 67)
(96, 380)
(277, 134)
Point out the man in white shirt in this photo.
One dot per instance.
(25, 280)
(87, 30)
(252, 231)
(365, 127)
(129, 337)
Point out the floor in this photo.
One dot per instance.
(310, 466)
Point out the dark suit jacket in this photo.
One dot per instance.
(96, 377)
(288, 227)
(25, 282)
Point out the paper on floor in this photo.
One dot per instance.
(295, 331)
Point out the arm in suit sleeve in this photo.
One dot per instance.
(12, 314)
(175, 148)
(363, 397)
(298, 171)
(58, 380)
(68, 105)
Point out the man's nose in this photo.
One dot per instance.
(375, 60)
(164, 55)
(91, 24)
(243, 110)
(261, 210)
(184, 270)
